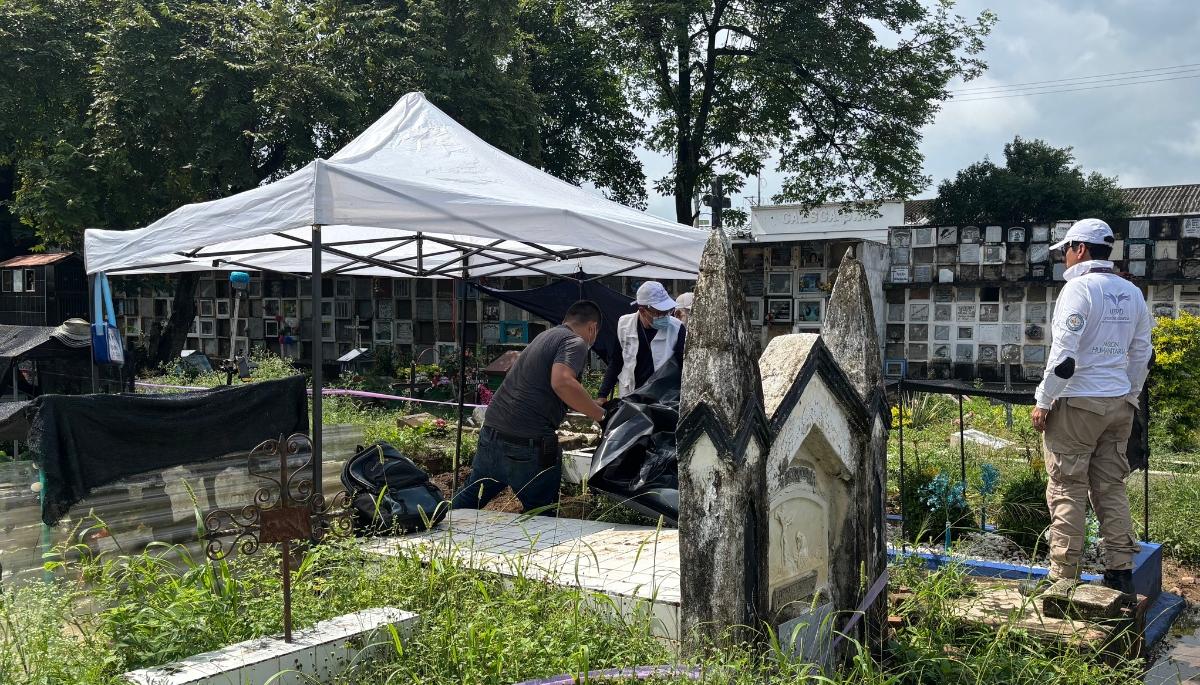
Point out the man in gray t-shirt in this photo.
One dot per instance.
(518, 444)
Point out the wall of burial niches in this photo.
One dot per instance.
(967, 301)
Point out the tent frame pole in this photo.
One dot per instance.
(462, 377)
(317, 370)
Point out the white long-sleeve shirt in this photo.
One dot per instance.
(1102, 322)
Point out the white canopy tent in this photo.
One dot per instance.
(414, 195)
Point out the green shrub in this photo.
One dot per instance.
(1175, 386)
(925, 521)
(1022, 514)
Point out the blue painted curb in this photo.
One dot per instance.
(1161, 616)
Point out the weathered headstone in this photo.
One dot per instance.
(781, 480)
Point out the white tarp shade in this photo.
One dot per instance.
(412, 194)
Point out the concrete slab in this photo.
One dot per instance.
(637, 566)
(316, 654)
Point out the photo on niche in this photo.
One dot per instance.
(941, 332)
(812, 255)
(989, 312)
(779, 283)
(947, 235)
(1016, 234)
(964, 352)
(491, 311)
(943, 312)
(988, 354)
(779, 311)
(809, 311)
(966, 332)
(918, 332)
(289, 309)
(809, 282)
(1010, 354)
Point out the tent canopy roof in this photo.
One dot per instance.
(415, 194)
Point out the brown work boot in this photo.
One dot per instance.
(1121, 581)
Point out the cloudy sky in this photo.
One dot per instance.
(1146, 134)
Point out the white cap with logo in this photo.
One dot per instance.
(652, 294)
(1092, 231)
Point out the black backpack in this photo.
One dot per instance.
(390, 493)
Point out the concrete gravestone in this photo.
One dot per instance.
(781, 478)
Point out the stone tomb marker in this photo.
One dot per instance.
(781, 478)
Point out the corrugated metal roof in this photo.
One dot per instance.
(1147, 201)
(36, 259)
(1159, 200)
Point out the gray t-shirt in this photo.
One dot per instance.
(525, 406)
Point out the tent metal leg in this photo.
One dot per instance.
(462, 380)
(92, 307)
(317, 380)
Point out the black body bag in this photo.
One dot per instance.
(390, 493)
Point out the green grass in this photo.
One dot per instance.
(103, 616)
(930, 429)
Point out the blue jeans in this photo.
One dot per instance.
(522, 467)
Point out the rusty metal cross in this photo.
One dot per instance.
(287, 511)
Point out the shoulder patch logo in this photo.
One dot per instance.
(1075, 322)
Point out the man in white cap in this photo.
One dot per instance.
(1098, 361)
(683, 307)
(648, 338)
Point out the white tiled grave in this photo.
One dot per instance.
(636, 566)
(315, 655)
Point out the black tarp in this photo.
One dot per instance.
(14, 422)
(637, 460)
(85, 441)
(550, 302)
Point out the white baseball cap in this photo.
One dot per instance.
(1092, 231)
(653, 294)
(685, 301)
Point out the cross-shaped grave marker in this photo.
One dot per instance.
(291, 511)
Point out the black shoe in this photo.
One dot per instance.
(1121, 581)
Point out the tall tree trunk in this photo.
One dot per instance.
(164, 347)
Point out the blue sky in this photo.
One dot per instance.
(1147, 134)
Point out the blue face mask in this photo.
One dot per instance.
(661, 323)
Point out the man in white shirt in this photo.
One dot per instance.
(1098, 361)
(648, 338)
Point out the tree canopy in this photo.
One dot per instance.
(1038, 183)
(836, 91)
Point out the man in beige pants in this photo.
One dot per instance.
(1098, 361)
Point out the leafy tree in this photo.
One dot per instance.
(837, 89)
(1038, 182)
